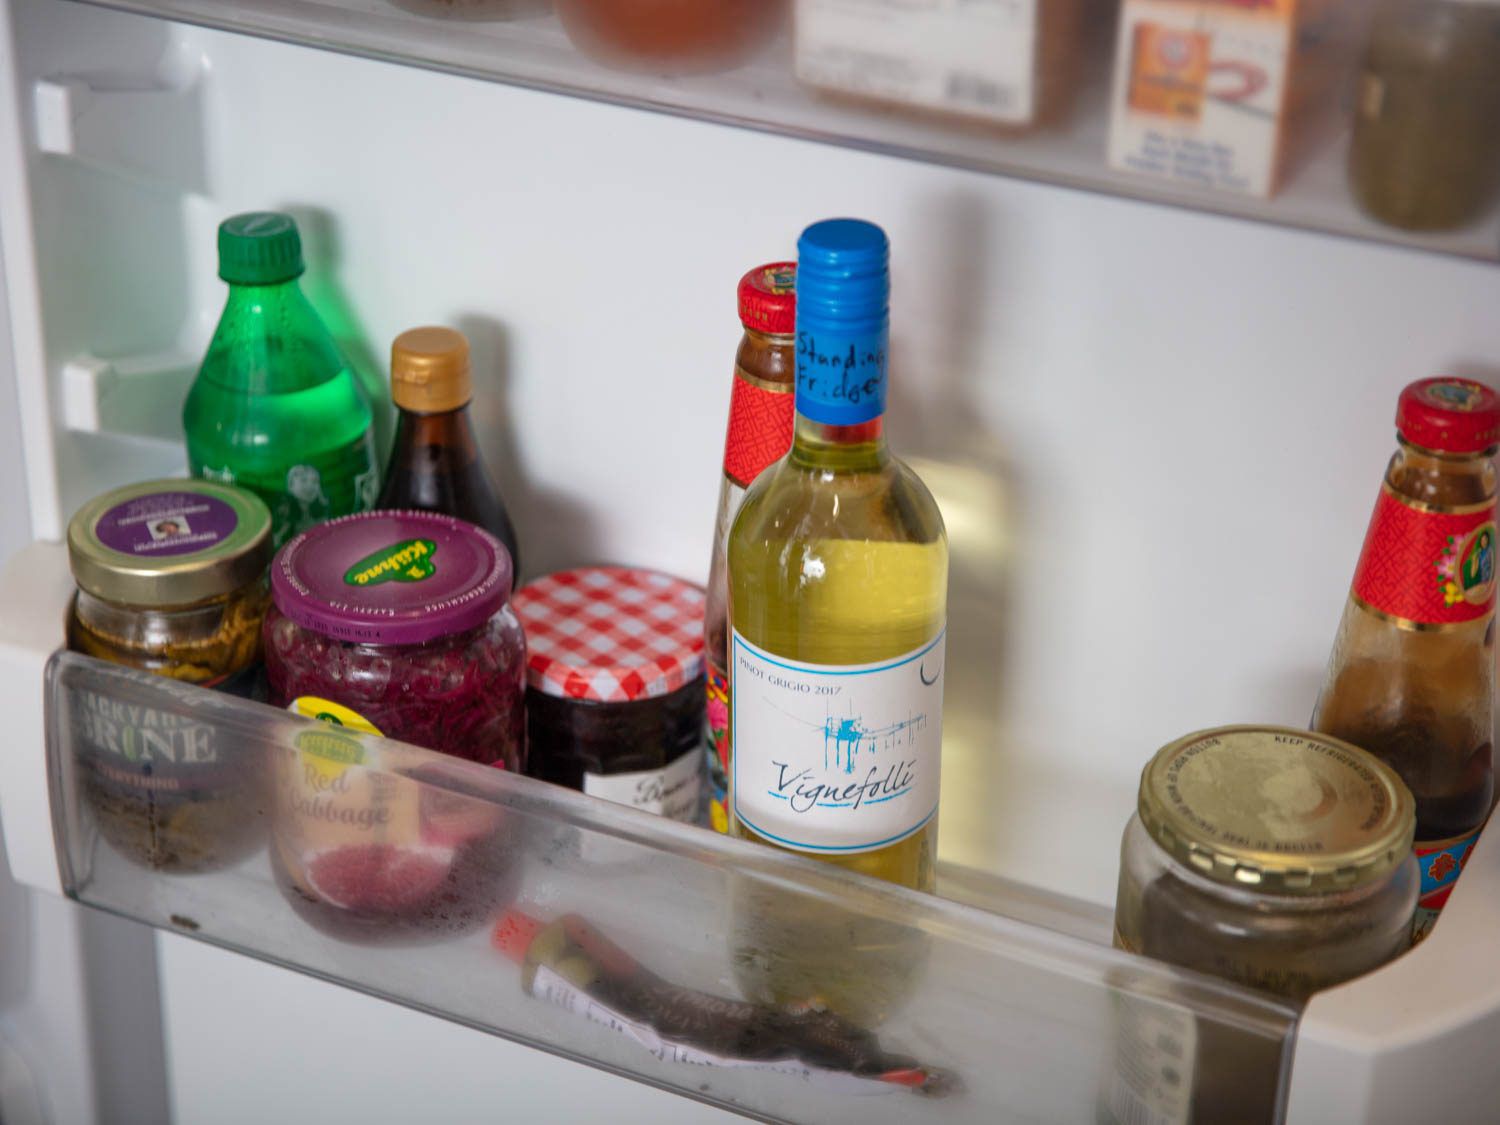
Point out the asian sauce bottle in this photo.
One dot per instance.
(760, 433)
(1411, 678)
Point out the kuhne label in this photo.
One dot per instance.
(836, 759)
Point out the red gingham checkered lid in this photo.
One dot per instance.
(611, 634)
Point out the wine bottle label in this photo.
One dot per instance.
(761, 418)
(836, 759)
(1440, 863)
(671, 791)
(1425, 567)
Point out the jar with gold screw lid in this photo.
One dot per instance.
(1273, 857)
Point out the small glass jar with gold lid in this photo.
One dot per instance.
(1272, 857)
(171, 579)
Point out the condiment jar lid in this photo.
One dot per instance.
(430, 370)
(169, 542)
(611, 634)
(1449, 415)
(768, 299)
(391, 578)
(1277, 810)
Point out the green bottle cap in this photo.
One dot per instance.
(259, 248)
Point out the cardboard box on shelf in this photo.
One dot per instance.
(1227, 95)
(1007, 63)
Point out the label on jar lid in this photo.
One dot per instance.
(391, 578)
(169, 542)
(166, 523)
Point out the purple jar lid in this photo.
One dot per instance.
(391, 578)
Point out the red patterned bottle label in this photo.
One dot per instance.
(718, 749)
(760, 427)
(1425, 567)
(1440, 863)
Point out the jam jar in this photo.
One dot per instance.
(171, 581)
(614, 675)
(400, 619)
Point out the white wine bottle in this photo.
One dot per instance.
(838, 575)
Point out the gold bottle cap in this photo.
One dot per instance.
(430, 370)
(1277, 810)
(169, 543)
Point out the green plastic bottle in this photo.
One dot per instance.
(275, 407)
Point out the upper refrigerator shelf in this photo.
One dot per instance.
(1318, 114)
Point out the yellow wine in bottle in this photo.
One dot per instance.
(838, 580)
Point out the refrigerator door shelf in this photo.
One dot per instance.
(971, 64)
(384, 868)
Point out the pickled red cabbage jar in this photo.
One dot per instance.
(400, 617)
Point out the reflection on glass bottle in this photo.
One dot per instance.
(365, 853)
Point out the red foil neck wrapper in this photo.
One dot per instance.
(760, 429)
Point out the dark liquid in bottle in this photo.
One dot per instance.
(435, 467)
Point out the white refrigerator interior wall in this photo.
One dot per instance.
(1156, 435)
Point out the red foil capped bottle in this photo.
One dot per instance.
(1411, 678)
(759, 434)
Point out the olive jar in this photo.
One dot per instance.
(171, 581)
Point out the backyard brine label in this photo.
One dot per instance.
(836, 759)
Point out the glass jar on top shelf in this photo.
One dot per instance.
(1425, 153)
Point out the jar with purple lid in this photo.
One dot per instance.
(400, 617)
